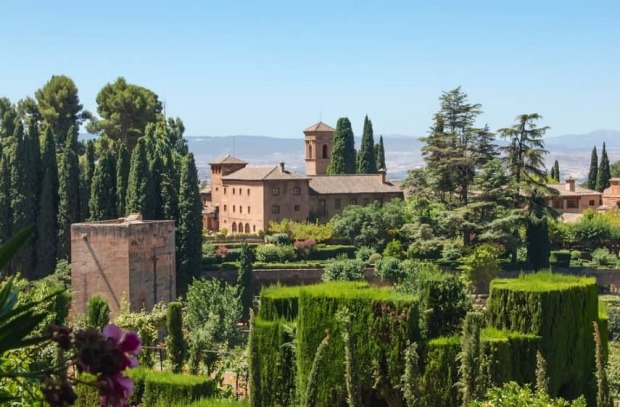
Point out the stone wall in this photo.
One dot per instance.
(123, 260)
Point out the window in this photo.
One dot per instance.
(248, 191)
(592, 202)
(322, 210)
(234, 227)
(296, 191)
(337, 203)
(233, 191)
(253, 228)
(233, 208)
(353, 201)
(572, 203)
(217, 189)
(247, 228)
(224, 191)
(240, 209)
(225, 208)
(366, 201)
(297, 208)
(325, 151)
(275, 209)
(275, 191)
(309, 150)
(248, 209)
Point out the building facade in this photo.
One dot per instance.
(244, 199)
(123, 259)
(572, 198)
(611, 195)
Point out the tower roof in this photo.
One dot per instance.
(320, 126)
(228, 159)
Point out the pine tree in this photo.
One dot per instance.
(47, 222)
(175, 342)
(366, 160)
(122, 178)
(604, 172)
(556, 171)
(593, 173)
(245, 280)
(69, 194)
(343, 152)
(102, 202)
(380, 155)
(189, 229)
(140, 190)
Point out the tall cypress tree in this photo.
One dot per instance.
(556, 171)
(87, 179)
(189, 229)
(593, 173)
(122, 178)
(366, 161)
(604, 172)
(380, 155)
(140, 190)
(343, 152)
(102, 203)
(156, 167)
(5, 199)
(169, 192)
(69, 193)
(47, 222)
(245, 280)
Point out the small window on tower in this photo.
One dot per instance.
(325, 151)
(296, 191)
(275, 191)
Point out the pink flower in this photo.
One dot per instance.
(115, 391)
(129, 343)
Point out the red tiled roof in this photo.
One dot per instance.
(351, 184)
(227, 159)
(262, 173)
(320, 126)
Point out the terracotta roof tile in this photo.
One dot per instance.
(351, 184)
(564, 190)
(262, 173)
(320, 126)
(228, 159)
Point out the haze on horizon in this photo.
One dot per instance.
(274, 68)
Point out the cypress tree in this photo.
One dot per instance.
(140, 191)
(189, 229)
(556, 171)
(5, 199)
(537, 243)
(169, 192)
(343, 153)
(156, 167)
(122, 178)
(593, 173)
(97, 312)
(102, 202)
(380, 155)
(47, 222)
(86, 179)
(69, 194)
(604, 172)
(245, 280)
(366, 161)
(175, 342)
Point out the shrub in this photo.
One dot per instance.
(561, 310)
(364, 253)
(560, 258)
(270, 253)
(603, 257)
(97, 312)
(452, 251)
(393, 249)
(613, 313)
(175, 342)
(304, 247)
(513, 395)
(278, 239)
(208, 254)
(374, 258)
(391, 268)
(479, 268)
(576, 255)
(424, 250)
(344, 269)
(165, 389)
(221, 252)
(326, 252)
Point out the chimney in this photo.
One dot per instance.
(382, 173)
(570, 184)
(282, 166)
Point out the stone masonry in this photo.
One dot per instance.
(123, 259)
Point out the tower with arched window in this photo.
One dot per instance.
(319, 139)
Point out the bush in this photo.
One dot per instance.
(452, 251)
(424, 250)
(166, 389)
(344, 269)
(479, 268)
(603, 257)
(304, 247)
(560, 309)
(175, 342)
(576, 255)
(513, 395)
(208, 254)
(374, 258)
(270, 253)
(613, 314)
(393, 249)
(560, 258)
(278, 239)
(221, 253)
(364, 253)
(326, 252)
(97, 312)
(392, 269)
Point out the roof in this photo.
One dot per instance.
(263, 173)
(320, 126)
(351, 184)
(564, 190)
(227, 159)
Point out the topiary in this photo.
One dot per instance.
(364, 253)
(97, 312)
(175, 342)
(374, 258)
(343, 269)
(390, 268)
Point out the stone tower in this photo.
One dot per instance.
(319, 140)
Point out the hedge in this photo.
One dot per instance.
(279, 302)
(560, 309)
(560, 258)
(216, 403)
(326, 252)
(512, 355)
(165, 389)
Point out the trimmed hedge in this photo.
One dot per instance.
(326, 252)
(560, 258)
(216, 403)
(279, 302)
(165, 389)
(560, 309)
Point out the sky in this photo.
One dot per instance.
(273, 68)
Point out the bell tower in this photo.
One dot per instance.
(319, 139)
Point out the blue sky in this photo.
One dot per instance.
(274, 67)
